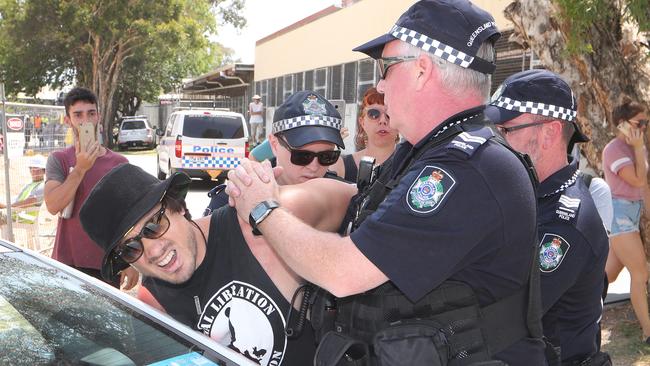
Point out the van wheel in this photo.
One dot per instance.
(161, 174)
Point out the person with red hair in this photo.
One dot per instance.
(374, 136)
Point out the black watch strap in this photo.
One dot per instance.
(260, 212)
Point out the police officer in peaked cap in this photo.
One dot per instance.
(536, 111)
(305, 140)
(437, 268)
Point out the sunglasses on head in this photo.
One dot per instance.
(304, 157)
(131, 249)
(374, 114)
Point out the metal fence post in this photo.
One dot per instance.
(5, 153)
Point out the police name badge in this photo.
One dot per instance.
(552, 250)
(429, 190)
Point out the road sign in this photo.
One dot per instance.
(15, 124)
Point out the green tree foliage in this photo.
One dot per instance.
(121, 49)
(582, 16)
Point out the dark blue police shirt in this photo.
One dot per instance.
(573, 250)
(465, 211)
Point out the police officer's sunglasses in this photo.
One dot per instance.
(131, 249)
(386, 62)
(506, 130)
(305, 157)
(374, 114)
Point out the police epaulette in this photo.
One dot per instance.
(469, 142)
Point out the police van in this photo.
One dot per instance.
(203, 143)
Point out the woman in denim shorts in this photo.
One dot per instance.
(625, 167)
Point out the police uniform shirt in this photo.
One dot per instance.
(573, 250)
(464, 211)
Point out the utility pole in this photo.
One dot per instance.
(5, 148)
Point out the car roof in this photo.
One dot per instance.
(203, 111)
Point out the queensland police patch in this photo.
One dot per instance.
(429, 190)
(552, 250)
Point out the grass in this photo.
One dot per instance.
(622, 336)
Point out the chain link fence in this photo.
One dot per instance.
(30, 133)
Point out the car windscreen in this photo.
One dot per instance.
(133, 125)
(213, 127)
(49, 317)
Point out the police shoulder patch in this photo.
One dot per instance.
(567, 208)
(469, 142)
(552, 250)
(429, 190)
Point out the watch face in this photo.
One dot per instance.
(258, 211)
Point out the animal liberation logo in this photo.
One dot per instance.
(247, 320)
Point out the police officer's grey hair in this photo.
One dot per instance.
(457, 79)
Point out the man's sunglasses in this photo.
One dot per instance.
(640, 123)
(374, 114)
(304, 157)
(131, 249)
(505, 130)
(385, 62)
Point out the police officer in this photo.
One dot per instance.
(305, 140)
(437, 273)
(536, 111)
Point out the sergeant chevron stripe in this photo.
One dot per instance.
(569, 202)
(469, 138)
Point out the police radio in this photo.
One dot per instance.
(367, 172)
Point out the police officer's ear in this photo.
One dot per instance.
(273, 142)
(551, 134)
(424, 70)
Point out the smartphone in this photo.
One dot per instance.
(624, 127)
(87, 134)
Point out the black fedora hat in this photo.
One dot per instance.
(118, 201)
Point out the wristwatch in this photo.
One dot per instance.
(260, 212)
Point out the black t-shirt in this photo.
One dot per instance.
(573, 250)
(240, 306)
(464, 211)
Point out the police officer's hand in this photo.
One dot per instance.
(245, 179)
(255, 183)
(86, 155)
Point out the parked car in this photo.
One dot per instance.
(202, 143)
(135, 131)
(51, 314)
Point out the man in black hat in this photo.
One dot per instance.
(436, 270)
(305, 140)
(536, 111)
(211, 274)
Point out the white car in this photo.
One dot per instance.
(135, 131)
(51, 314)
(202, 143)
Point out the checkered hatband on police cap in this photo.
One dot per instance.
(548, 110)
(308, 120)
(431, 45)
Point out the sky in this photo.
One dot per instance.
(265, 17)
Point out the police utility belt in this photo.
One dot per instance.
(447, 327)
